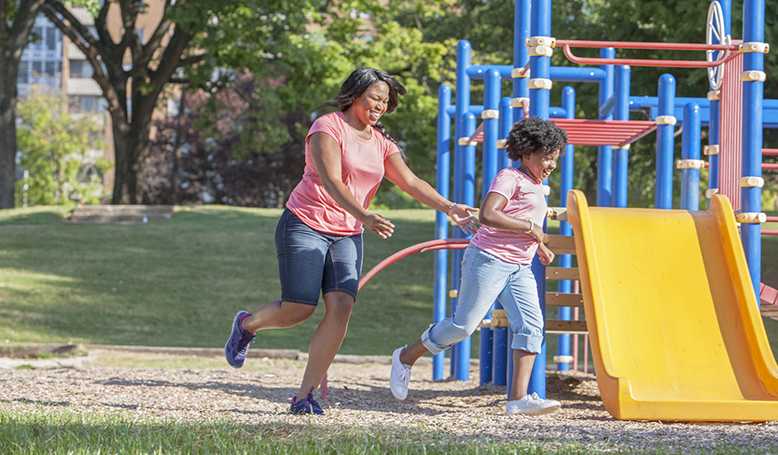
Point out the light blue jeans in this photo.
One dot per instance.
(484, 280)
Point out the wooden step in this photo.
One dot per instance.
(564, 299)
(561, 244)
(562, 273)
(566, 327)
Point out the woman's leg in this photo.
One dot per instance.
(277, 315)
(327, 339)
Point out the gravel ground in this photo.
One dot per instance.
(360, 400)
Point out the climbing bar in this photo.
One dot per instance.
(564, 299)
(731, 50)
(618, 133)
(566, 327)
(769, 152)
(770, 166)
(562, 273)
(561, 244)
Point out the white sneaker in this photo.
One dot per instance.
(532, 405)
(400, 377)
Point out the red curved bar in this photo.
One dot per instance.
(646, 62)
(769, 152)
(431, 245)
(590, 44)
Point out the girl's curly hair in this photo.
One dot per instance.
(533, 135)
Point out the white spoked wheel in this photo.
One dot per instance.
(715, 33)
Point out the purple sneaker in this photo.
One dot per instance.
(305, 406)
(239, 341)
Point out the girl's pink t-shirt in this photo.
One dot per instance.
(526, 200)
(362, 169)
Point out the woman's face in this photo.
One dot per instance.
(372, 104)
(541, 165)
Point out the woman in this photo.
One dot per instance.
(319, 235)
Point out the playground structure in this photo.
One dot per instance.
(734, 113)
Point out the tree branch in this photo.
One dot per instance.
(23, 23)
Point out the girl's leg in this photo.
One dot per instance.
(327, 339)
(522, 370)
(521, 304)
(413, 352)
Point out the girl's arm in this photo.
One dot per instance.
(401, 175)
(492, 214)
(325, 155)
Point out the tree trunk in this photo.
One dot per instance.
(120, 142)
(7, 131)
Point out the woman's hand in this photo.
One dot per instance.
(464, 216)
(545, 255)
(378, 224)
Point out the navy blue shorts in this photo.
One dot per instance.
(312, 262)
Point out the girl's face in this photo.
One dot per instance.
(541, 165)
(372, 104)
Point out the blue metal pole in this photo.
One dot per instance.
(690, 177)
(491, 124)
(539, 105)
(621, 155)
(664, 144)
(442, 183)
(605, 153)
(713, 140)
(461, 351)
(506, 122)
(521, 31)
(462, 108)
(565, 260)
(753, 96)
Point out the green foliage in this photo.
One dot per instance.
(60, 152)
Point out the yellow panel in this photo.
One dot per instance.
(673, 321)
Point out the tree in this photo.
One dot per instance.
(132, 71)
(60, 152)
(16, 21)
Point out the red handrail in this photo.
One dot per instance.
(431, 245)
(769, 152)
(770, 166)
(726, 56)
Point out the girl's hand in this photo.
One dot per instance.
(545, 255)
(464, 216)
(378, 224)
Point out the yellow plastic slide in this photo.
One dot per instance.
(675, 330)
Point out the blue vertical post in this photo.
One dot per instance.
(605, 153)
(462, 107)
(461, 353)
(753, 99)
(665, 143)
(521, 31)
(540, 67)
(491, 124)
(621, 155)
(713, 140)
(442, 183)
(506, 122)
(690, 150)
(566, 184)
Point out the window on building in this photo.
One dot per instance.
(51, 68)
(51, 38)
(37, 32)
(37, 68)
(80, 69)
(23, 77)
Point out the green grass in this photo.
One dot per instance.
(178, 282)
(76, 434)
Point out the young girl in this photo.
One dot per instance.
(319, 235)
(497, 266)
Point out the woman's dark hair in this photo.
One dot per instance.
(356, 84)
(533, 135)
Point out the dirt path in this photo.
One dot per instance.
(359, 400)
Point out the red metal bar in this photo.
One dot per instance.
(769, 152)
(604, 132)
(770, 166)
(423, 247)
(772, 219)
(647, 62)
(769, 233)
(590, 44)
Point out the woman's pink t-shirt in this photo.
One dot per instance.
(526, 200)
(362, 169)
